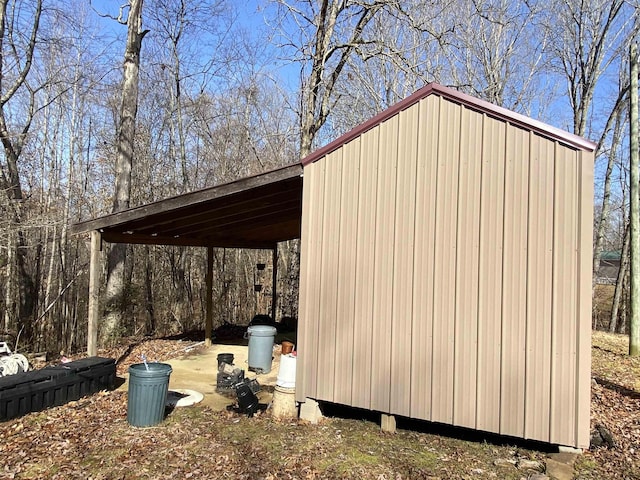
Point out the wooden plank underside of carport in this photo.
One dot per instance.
(255, 212)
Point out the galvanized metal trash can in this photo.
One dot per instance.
(148, 387)
(260, 347)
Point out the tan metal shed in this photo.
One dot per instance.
(446, 269)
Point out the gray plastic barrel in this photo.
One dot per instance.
(148, 386)
(260, 347)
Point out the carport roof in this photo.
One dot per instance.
(253, 212)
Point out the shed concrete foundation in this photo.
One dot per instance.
(310, 411)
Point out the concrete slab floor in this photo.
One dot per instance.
(199, 372)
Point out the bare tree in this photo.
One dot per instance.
(496, 51)
(634, 208)
(621, 280)
(616, 118)
(19, 28)
(402, 59)
(588, 38)
(116, 275)
(330, 33)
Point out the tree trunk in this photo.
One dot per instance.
(10, 306)
(181, 298)
(620, 282)
(115, 298)
(291, 258)
(606, 196)
(634, 216)
(14, 70)
(318, 92)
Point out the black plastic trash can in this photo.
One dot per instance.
(148, 386)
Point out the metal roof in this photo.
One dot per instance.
(611, 255)
(253, 212)
(468, 101)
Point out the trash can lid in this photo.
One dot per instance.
(262, 330)
(151, 369)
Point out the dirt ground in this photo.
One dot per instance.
(91, 438)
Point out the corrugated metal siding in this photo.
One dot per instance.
(539, 282)
(330, 234)
(383, 266)
(445, 275)
(346, 281)
(424, 259)
(490, 275)
(364, 249)
(583, 327)
(405, 204)
(309, 293)
(564, 294)
(467, 269)
(445, 265)
(514, 282)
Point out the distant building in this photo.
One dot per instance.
(609, 267)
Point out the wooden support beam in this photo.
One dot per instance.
(274, 282)
(222, 242)
(94, 294)
(208, 326)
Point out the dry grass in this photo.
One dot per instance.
(602, 301)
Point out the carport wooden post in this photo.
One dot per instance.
(94, 290)
(274, 281)
(208, 325)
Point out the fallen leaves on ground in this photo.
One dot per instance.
(130, 351)
(615, 404)
(155, 350)
(91, 438)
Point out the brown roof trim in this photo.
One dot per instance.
(474, 103)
